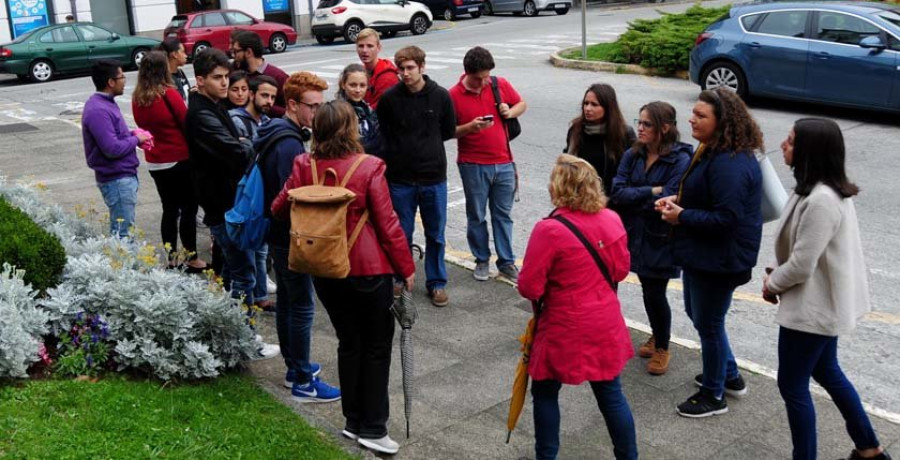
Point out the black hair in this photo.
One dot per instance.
(819, 156)
(249, 40)
(477, 60)
(102, 71)
(169, 45)
(261, 79)
(236, 76)
(208, 60)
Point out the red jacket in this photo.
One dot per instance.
(581, 334)
(166, 125)
(382, 79)
(381, 248)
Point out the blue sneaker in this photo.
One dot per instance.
(316, 391)
(292, 374)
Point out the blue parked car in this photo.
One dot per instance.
(841, 53)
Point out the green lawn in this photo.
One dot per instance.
(609, 52)
(118, 418)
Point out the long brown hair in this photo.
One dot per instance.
(153, 78)
(736, 130)
(336, 130)
(616, 128)
(819, 155)
(660, 114)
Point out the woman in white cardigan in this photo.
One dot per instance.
(820, 283)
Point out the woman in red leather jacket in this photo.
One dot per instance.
(359, 304)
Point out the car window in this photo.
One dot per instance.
(750, 20)
(60, 35)
(213, 20)
(94, 33)
(893, 43)
(236, 18)
(843, 28)
(387, 2)
(47, 37)
(786, 23)
(177, 22)
(892, 16)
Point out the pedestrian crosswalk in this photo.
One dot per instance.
(450, 59)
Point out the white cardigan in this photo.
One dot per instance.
(821, 274)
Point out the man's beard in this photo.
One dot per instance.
(262, 110)
(240, 65)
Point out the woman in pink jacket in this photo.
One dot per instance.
(581, 334)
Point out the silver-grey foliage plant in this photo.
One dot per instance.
(164, 322)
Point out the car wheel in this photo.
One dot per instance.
(530, 10)
(488, 9)
(724, 75)
(562, 11)
(389, 34)
(448, 14)
(476, 15)
(325, 39)
(199, 48)
(41, 70)
(352, 30)
(138, 55)
(278, 43)
(418, 25)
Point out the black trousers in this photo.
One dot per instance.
(359, 308)
(179, 204)
(657, 306)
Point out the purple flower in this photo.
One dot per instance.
(94, 338)
(90, 361)
(104, 332)
(79, 316)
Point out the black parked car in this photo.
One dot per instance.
(451, 9)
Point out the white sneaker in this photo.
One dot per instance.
(267, 351)
(271, 287)
(384, 445)
(349, 435)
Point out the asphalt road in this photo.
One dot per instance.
(521, 47)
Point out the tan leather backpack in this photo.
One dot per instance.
(319, 243)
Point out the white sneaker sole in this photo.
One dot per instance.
(303, 400)
(703, 415)
(376, 447)
(349, 435)
(481, 278)
(288, 384)
(732, 393)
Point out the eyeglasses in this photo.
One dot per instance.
(313, 107)
(122, 77)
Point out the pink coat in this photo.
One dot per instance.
(581, 334)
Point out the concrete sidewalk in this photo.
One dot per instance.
(465, 359)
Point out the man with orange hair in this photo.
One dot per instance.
(278, 143)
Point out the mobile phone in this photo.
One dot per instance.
(488, 118)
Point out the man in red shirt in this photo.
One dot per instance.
(247, 51)
(485, 160)
(382, 72)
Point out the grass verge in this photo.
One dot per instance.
(119, 418)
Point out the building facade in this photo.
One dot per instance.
(141, 17)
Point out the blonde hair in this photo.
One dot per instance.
(366, 33)
(574, 184)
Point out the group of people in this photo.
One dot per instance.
(626, 200)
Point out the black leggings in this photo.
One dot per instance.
(657, 306)
(179, 206)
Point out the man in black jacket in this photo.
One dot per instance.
(218, 159)
(416, 118)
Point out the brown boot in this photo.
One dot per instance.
(659, 363)
(646, 350)
(439, 297)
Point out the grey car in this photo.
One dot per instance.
(526, 7)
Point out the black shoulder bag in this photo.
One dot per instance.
(587, 244)
(513, 128)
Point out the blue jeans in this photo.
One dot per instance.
(801, 355)
(120, 196)
(613, 406)
(431, 200)
(260, 291)
(707, 300)
(295, 308)
(239, 265)
(494, 186)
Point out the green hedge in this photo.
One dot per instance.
(663, 44)
(30, 248)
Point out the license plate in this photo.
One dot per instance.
(472, 10)
(173, 34)
(561, 6)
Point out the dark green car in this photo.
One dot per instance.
(63, 48)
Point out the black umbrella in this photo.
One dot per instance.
(405, 312)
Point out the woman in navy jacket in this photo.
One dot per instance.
(649, 171)
(717, 228)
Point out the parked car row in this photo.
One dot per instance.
(205, 29)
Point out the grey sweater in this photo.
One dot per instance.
(821, 273)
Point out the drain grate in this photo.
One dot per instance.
(13, 128)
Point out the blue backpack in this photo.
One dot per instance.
(246, 223)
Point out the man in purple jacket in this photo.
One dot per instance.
(109, 146)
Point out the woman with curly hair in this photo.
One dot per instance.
(717, 224)
(600, 134)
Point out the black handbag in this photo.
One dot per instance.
(513, 128)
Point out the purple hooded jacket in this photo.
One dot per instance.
(109, 146)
